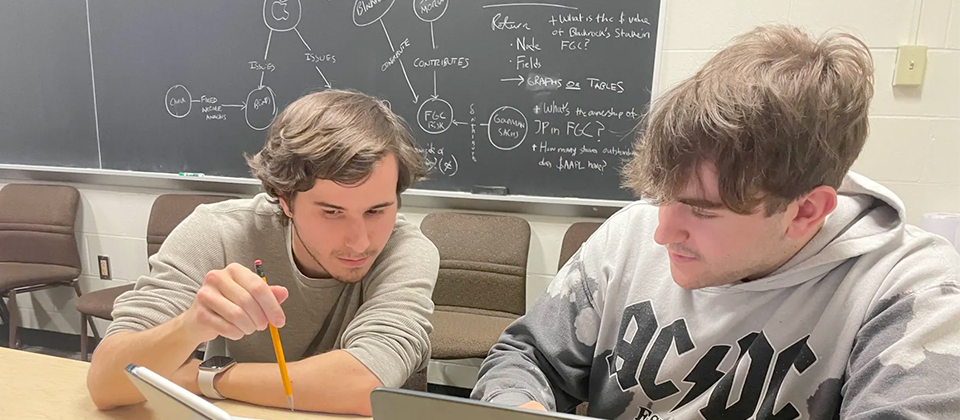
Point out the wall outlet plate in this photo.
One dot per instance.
(105, 273)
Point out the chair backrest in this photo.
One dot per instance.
(37, 224)
(168, 211)
(483, 261)
(576, 235)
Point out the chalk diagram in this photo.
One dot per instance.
(435, 116)
(260, 106)
(506, 127)
(368, 12)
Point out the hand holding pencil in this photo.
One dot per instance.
(233, 303)
(278, 348)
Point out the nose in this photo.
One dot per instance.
(356, 238)
(670, 229)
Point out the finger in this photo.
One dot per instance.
(242, 298)
(280, 292)
(211, 298)
(219, 325)
(260, 291)
(533, 405)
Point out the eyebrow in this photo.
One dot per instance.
(334, 206)
(701, 203)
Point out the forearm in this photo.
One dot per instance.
(333, 382)
(511, 376)
(162, 349)
(539, 358)
(546, 355)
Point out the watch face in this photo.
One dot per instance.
(217, 363)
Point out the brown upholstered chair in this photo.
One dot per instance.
(575, 236)
(167, 212)
(38, 247)
(481, 287)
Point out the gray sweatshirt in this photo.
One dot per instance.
(381, 320)
(864, 322)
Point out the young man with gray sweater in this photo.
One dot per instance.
(766, 282)
(354, 278)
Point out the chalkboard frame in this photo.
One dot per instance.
(420, 198)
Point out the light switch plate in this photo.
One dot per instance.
(911, 64)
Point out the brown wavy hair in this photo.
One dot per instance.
(776, 112)
(335, 135)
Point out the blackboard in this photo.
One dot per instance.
(537, 97)
(46, 90)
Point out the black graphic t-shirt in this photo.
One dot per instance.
(864, 322)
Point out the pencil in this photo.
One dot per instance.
(277, 347)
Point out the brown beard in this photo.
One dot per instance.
(296, 233)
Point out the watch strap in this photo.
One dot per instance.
(205, 380)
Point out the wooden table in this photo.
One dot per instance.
(36, 386)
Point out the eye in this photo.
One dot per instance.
(375, 212)
(331, 213)
(700, 214)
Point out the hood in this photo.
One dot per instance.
(868, 216)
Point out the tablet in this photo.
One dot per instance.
(403, 404)
(171, 401)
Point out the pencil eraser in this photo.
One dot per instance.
(258, 262)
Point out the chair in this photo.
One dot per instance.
(167, 212)
(38, 246)
(575, 236)
(481, 287)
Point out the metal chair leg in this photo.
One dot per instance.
(14, 319)
(93, 327)
(83, 338)
(4, 313)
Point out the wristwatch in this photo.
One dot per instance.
(209, 370)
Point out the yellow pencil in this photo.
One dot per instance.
(277, 347)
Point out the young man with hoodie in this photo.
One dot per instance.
(766, 282)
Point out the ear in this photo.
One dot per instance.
(286, 207)
(811, 210)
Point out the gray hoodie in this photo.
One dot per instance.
(864, 322)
